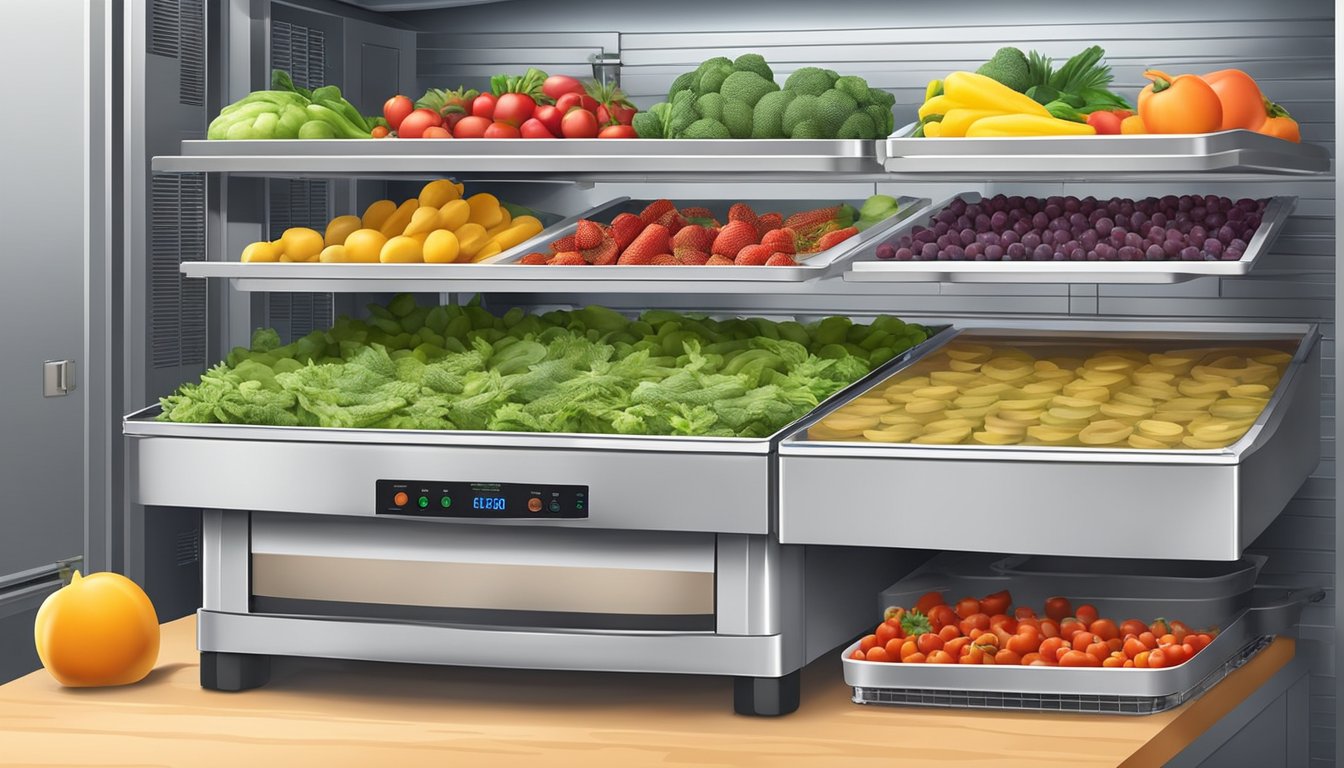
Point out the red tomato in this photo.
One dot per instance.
(1027, 640)
(1174, 654)
(1050, 628)
(974, 621)
(436, 132)
(1006, 656)
(1031, 659)
(1007, 622)
(884, 633)
(1034, 623)
(917, 658)
(1079, 659)
(1157, 659)
(579, 124)
(929, 642)
(1024, 612)
(571, 100)
(514, 109)
(1134, 646)
(868, 641)
(1132, 627)
(617, 132)
(472, 127)
(558, 85)
(502, 131)
(1058, 608)
(484, 106)
(1116, 645)
(1159, 627)
(949, 632)
(895, 625)
(535, 129)
(941, 657)
(996, 603)
(958, 646)
(396, 109)
(1051, 646)
(1180, 629)
(1148, 640)
(1081, 640)
(928, 601)
(1099, 649)
(1104, 628)
(378, 132)
(1198, 642)
(858, 655)
(1106, 123)
(615, 115)
(413, 125)
(909, 648)
(549, 117)
(967, 606)
(941, 616)
(878, 653)
(893, 647)
(1070, 627)
(1086, 614)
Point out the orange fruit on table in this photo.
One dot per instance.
(98, 630)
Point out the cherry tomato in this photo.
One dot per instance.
(1058, 608)
(1043, 663)
(413, 125)
(1157, 659)
(895, 624)
(535, 129)
(909, 648)
(558, 85)
(396, 109)
(379, 132)
(1173, 654)
(1199, 641)
(617, 132)
(1027, 640)
(1070, 627)
(1006, 656)
(877, 653)
(1149, 640)
(1003, 636)
(1115, 644)
(917, 658)
(484, 106)
(1086, 614)
(1166, 639)
(941, 657)
(1189, 650)
(502, 131)
(941, 616)
(893, 647)
(974, 621)
(1003, 620)
(1129, 663)
(929, 642)
(1098, 649)
(868, 641)
(1034, 623)
(1050, 628)
(1050, 647)
(1113, 662)
(949, 632)
(927, 601)
(1141, 661)
(1133, 627)
(1082, 639)
(967, 606)
(1159, 627)
(1181, 630)
(1079, 659)
(858, 655)
(550, 117)
(957, 646)
(471, 127)
(1029, 659)
(569, 101)
(997, 603)
(436, 132)
(973, 655)
(1024, 612)
(884, 633)
(514, 109)
(1134, 646)
(1104, 628)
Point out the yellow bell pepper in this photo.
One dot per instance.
(933, 130)
(934, 88)
(956, 121)
(979, 92)
(939, 105)
(1026, 125)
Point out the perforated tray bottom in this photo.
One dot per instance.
(1054, 702)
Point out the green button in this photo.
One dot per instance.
(445, 502)
(424, 502)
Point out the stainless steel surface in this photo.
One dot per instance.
(532, 157)
(867, 268)
(902, 495)
(226, 563)
(1060, 157)
(58, 378)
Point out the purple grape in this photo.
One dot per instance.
(1031, 204)
(1014, 202)
(967, 236)
(927, 236)
(954, 253)
(1236, 214)
(1129, 253)
(1042, 253)
(973, 210)
(1174, 236)
(1022, 227)
(1095, 216)
(1053, 209)
(1226, 234)
(1169, 201)
(1106, 252)
(1232, 254)
(1159, 219)
(997, 202)
(957, 207)
(998, 221)
(1092, 256)
(1238, 244)
(1015, 252)
(1172, 249)
(994, 253)
(1008, 238)
(1030, 240)
(1040, 220)
(1088, 239)
(1191, 253)
(904, 254)
(973, 250)
(1072, 204)
(1118, 236)
(1137, 220)
(1213, 247)
(1076, 254)
(1154, 253)
(1133, 240)
(947, 217)
(1198, 234)
(963, 222)
(1198, 213)
(1078, 222)
(1157, 234)
(941, 228)
(1104, 226)
(948, 239)
(1252, 221)
(982, 223)
(886, 251)
(1214, 220)
(1185, 203)
(929, 252)
(1058, 237)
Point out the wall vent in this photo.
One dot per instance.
(177, 308)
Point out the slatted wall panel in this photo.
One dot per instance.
(1288, 47)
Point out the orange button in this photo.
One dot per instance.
(400, 499)
(534, 505)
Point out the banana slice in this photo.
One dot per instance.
(1152, 378)
(995, 423)
(1172, 362)
(1192, 442)
(1134, 399)
(995, 438)
(1237, 407)
(1212, 433)
(1186, 404)
(1019, 417)
(847, 424)
(1126, 412)
(963, 366)
(968, 352)
(905, 417)
(1047, 387)
(1273, 358)
(1180, 417)
(1193, 388)
(1105, 432)
(1157, 429)
(941, 379)
(856, 409)
(975, 414)
(1250, 390)
(975, 401)
(1032, 404)
(901, 433)
(944, 392)
(925, 405)
(984, 390)
(949, 437)
(1047, 434)
(1007, 369)
(1045, 366)
(1073, 413)
(1139, 441)
(1108, 364)
(1108, 379)
(1051, 419)
(950, 425)
(1086, 391)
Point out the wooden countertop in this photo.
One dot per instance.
(328, 713)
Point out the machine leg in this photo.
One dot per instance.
(234, 671)
(767, 696)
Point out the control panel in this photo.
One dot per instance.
(481, 500)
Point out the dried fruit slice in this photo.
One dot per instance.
(567, 259)
(534, 258)
(836, 237)
(588, 235)
(566, 243)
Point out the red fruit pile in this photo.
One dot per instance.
(662, 234)
(984, 632)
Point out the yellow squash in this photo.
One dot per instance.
(976, 91)
(1026, 125)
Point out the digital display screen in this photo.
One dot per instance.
(481, 500)
(488, 502)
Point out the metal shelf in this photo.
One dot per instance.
(531, 158)
(1090, 157)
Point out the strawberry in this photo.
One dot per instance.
(832, 239)
(742, 212)
(780, 260)
(752, 256)
(605, 253)
(567, 259)
(768, 222)
(697, 213)
(655, 210)
(651, 242)
(714, 233)
(805, 220)
(692, 236)
(625, 228)
(734, 237)
(565, 243)
(588, 235)
(672, 220)
(780, 241)
(719, 261)
(664, 260)
(692, 258)
(534, 258)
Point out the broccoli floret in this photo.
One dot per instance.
(1008, 66)
(754, 62)
(681, 112)
(712, 74)
(834, 109)
(747, 86)
(683, 82)
(808, 129)
(811, 81)
(737, 117)
(804, 107)
(648, 125)
(707, 129)
(767, 119)
(882, 118)
(710, 106)
(880, 97)
(858, 126)
(853, 86)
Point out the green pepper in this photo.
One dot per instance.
(343, 127)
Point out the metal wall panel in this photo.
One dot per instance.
(1289, 48)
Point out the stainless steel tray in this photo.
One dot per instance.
(867, 268)
(812, 267)
(530, 157)
(904, 495)
(1263, 613)
(224, 466)
(373, 278)
(1239, 151)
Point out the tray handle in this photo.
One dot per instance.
(1276, 609)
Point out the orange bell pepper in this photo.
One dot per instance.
(1245, 106)
(1282, 127)
(1183, 104)
(1133, 125)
